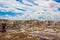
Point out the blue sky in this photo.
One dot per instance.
(30, 9)
(58, 1)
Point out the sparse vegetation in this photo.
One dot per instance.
(30, 30)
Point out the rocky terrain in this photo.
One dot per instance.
(30, 30)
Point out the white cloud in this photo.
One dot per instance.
(45, 9)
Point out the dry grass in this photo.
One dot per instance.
(33, 33)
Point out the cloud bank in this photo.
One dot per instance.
(29, 9)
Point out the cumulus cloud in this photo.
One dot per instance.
(30, 9)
